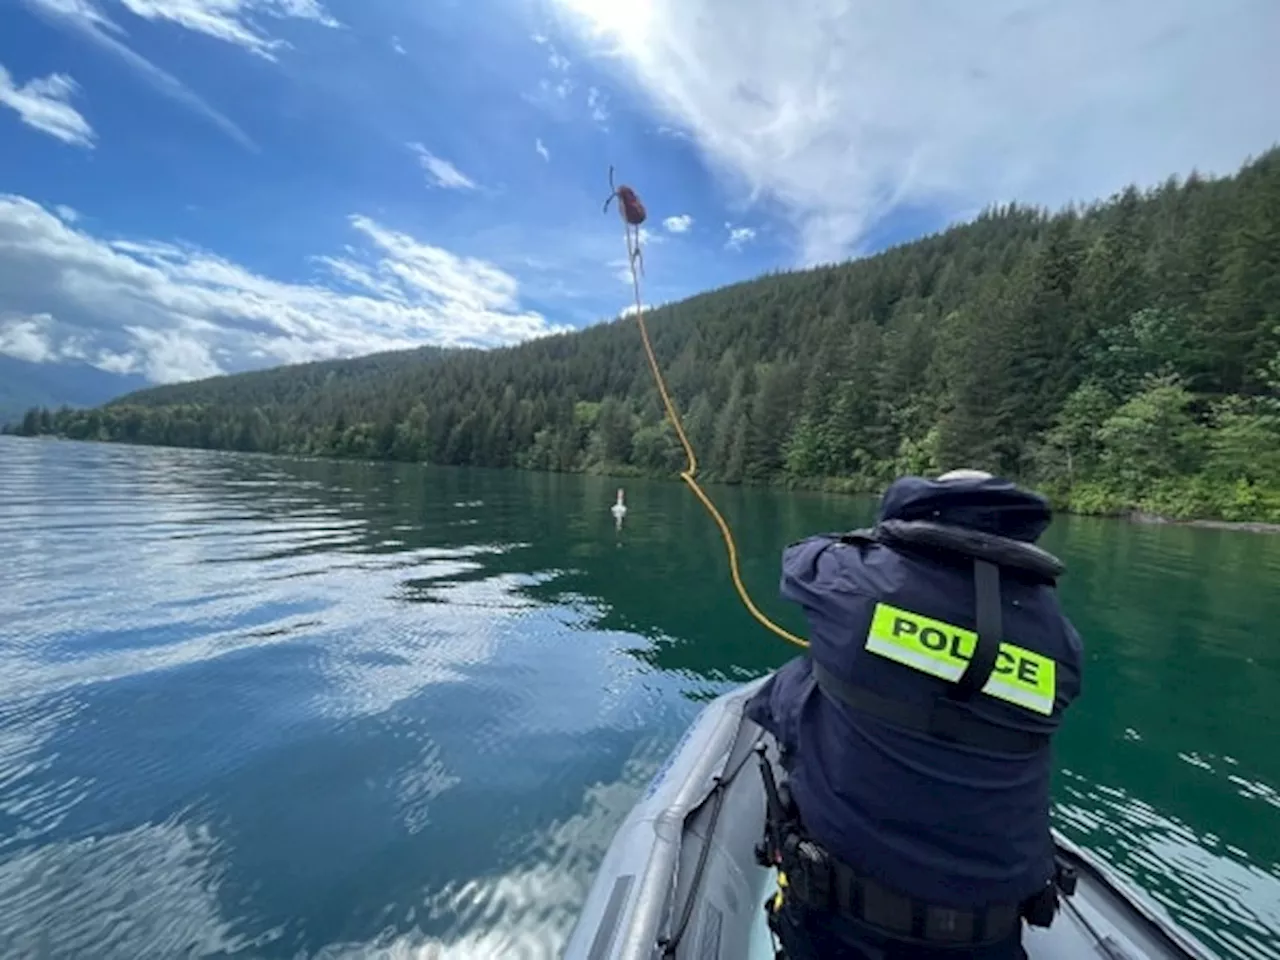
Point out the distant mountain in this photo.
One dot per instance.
(1119, 355)
(24, 384)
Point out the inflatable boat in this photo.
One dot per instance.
(680, 878)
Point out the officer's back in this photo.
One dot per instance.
(958, 824)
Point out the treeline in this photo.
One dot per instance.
(1123, 355)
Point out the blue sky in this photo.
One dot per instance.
(198, 186)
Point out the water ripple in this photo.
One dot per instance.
(1232, 902)
(288, 708)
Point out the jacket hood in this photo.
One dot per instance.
(991, 504)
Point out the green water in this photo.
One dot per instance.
(260, 707)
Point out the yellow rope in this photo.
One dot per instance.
(689, 474)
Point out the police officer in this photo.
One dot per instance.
(915, 733)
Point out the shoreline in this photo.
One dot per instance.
(828, 485)
(1240, 526)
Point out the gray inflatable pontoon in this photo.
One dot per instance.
(681, 869)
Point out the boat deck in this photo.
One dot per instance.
(682, 866)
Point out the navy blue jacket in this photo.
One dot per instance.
(954, 825)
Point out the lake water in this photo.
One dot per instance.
(263, 707)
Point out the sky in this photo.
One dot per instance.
(193, 187)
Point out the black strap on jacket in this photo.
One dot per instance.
(983, 549)
(948, 718)
(986, 596)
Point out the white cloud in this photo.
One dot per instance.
(84, 10)
(622, 270)
(561, 89)
(28, 339)
(738, 236)
(170, 355)
(168, 310)
(843, 110)
(44, 104)
(228, 20)
(398, 47)
(596, 104)
(553, 91)
(678, 224)
(83, 18)
(558, 86)
(541, 147)
(69, 214)
(441, 171)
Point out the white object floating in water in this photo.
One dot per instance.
(619, 509)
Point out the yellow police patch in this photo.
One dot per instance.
(942, 649)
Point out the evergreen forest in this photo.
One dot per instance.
(1120, 356)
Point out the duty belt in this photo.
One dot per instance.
(813, 878)
(818, 881)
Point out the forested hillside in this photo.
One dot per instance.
(1123, 355)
